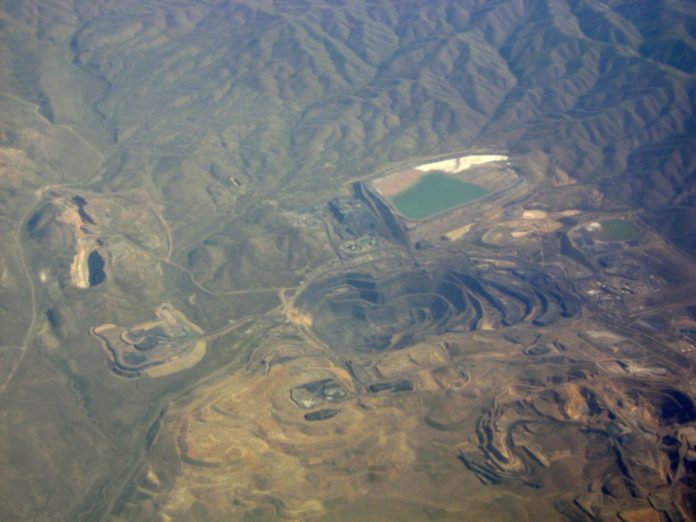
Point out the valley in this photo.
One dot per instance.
(464, 355)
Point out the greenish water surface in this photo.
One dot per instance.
(435, 193)
(618, 230)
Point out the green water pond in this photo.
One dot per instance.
(435, 193)
(618, 230)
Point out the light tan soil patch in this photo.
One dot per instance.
(455, 165)
(469, 169)
(245, 441)
(397, 182)
(458, 233)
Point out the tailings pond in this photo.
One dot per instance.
(435, 193)
(618, 230)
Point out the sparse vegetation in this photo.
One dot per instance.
(526, 356)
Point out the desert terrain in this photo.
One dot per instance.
(323, 261)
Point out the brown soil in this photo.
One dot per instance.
(398, 182)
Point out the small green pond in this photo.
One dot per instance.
(435, 193)
(618, 230)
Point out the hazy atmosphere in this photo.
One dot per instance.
(348, 260)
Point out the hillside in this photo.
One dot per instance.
(203, 141)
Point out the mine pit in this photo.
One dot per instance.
(434, 188)
(95, 264)
(320, 415)
(81, 202)
(157, 348)
(87, 267)
(364, 313)
(676, 407)
(314, 393)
